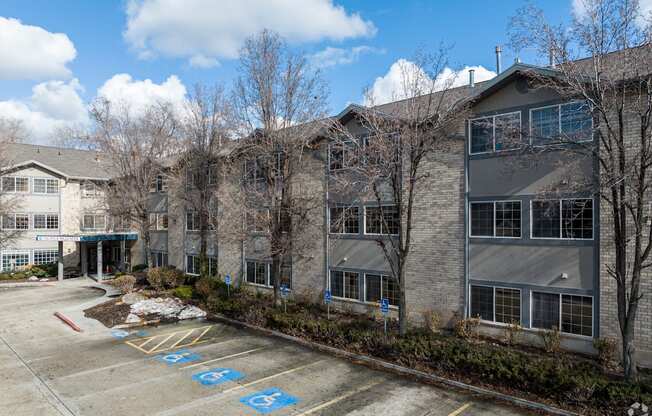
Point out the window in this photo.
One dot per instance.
(160, 184)
(258, 221)
(496, 304)
(15, 222)
(257, 273)
(160, 258)
(344, 220)
(566, 219)
(192, 265)
(344, 284)
(192, 221)
(89, 189)
(342, 155)
(285, 273)
(158, 221)
(572, 314)
(14, 261)
(46, 186)
(379, 286)
(45, 256)
(563, 122)
(46, 221)
(212, 266)
(94, 222)
(495, 133)
(15, 184)
(496, 219)
(382, 220)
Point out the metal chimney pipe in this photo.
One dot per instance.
(498, 64)
(551, 57)
(471, 78)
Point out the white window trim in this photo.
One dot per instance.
(364, 289)
(46, 214)
(267, 274)
(559, 105)
(344, 286)
(494, 322)
(343, 227)
(186, 264)
(193, 230)
(560, 294)
(494, 228)
(15, 252)
(493, 134)
(95, 228)
(14, 214)
(46, 186)
(364, 217)
(44, 250)
(561, 220)
(29, 184)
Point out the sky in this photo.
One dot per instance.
(57, 56)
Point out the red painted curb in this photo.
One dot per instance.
(67, 321)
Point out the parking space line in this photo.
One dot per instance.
(262, 380)
(186, 333)
(221, 358)
(339, 399)
(460, 410)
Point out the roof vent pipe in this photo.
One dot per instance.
(551, 57)
(498, 65)
(471, 78)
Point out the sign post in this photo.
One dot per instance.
(227, 280)
(285, 290)
(327, 300)
(384, 309)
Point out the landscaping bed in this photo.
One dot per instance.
(560, 379)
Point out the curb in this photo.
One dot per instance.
(67, 321)
(137, 324)
(27, 284)
(384, 365)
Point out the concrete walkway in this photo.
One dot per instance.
(48, 369)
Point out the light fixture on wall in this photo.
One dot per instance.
(564, 276)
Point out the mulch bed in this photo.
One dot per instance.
(110, 313)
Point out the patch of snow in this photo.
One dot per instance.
(166, 308)
(132, 319)
(33, 279)
(191, 312)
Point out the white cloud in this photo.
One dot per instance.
(645, 9)
(123, 90)
(53, 105)
(203, 32)
(31, 52)
(339, 56)
(201, 61)
(405, 77)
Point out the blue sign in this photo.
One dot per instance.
(178, 357)
(285, 290)
(119, 333)
(328, 297)
(217, 376)
(269, 400)
(227, 280)
(384, 305)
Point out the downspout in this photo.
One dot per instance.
(466, 222)
(326, 219)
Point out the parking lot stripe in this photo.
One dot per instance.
(221, 358)
(339, 399)
(262, 380)
(460, 410)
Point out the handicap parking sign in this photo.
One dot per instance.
(384, 305)
(227, 279)
(217, 376)
(285, 290)
(328, 297)
(269, 400)
(178, 357)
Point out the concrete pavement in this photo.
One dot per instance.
(185, 369)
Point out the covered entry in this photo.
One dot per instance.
(97, 251)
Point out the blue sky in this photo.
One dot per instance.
(150, 39)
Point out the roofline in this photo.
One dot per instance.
(51, 169)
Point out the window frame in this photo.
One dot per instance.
(163, 257)
(46, 217)
(14, 253)
(558, 105)
(15, 227)
(194, 272)
(364, 222)
(493, 132)
(193, 213)
(95, 216)
(493, 291)
(561, 220)
(43, 251)
(494, 202)
(15, 178)
(343, 222)
(343, 297)
(268, 268)
(364, 288)
(560, 296)
(46, 186)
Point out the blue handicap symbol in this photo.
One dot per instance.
(119, 333)
(384, 305)
(328, 297)
(285, 290)
(269, 400)
(227, 279)
(178, 357)
(217, 376)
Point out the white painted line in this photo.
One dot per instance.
(261, 380)
(460, 410)
(339, 399)
(221, 358)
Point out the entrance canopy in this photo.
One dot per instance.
(82, 239)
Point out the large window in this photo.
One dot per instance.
(15, 222)
(561, 123)
(496, 219)
(46, 221)
(95, 222)
(192, 221)
(14, 261)
(342, 155)
(344, 220)
(382, 220)
(377, 287)
(45, 256)
(212, 266)
(566, 219)
(192, 265)
(45, 186)
(15, 184)
(495, 133)
(257, 273)
(158, 221)
(89, 189)
(160, 258)
(572, 314)
(344, 284)
(496, 304)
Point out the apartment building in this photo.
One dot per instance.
(490, 239)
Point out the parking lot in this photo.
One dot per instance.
(190, 368)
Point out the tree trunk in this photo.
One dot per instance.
(629, 355)
(203, 256)
(402, 310)
(275, 276)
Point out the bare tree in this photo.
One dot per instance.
(137, 147)
(279, 101)
(605, 59)
(206, 135)
(11, 131)
(391, 165)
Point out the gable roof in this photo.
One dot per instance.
(69, 163)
